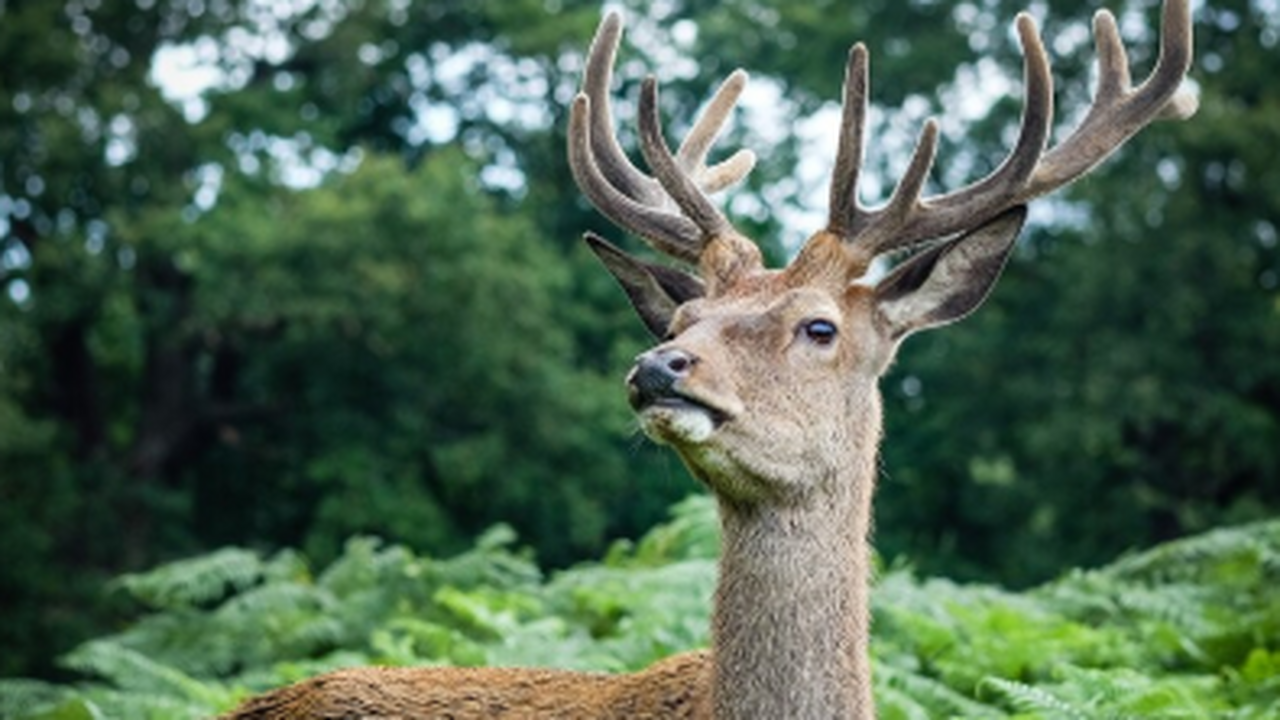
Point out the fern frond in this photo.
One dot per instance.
(1190, 559)
(275, 600)
(693, 533)
(1128, 693)
(103, 704)
(196, 581)
(363, 563)
(135, 672)
(1032, 699)
(1180, 605)
(894, 704)
(492, 562)
(20, 697)
(934, 698)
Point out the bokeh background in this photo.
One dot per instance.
(274, 274)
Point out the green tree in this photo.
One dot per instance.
(199, 348)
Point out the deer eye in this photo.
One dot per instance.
(821, 332)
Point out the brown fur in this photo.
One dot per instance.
(793, 469)
(674, 688)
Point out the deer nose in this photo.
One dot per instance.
(656, 373)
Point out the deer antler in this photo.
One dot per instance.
(633, 200)
(1117, 113)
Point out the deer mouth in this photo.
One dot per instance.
(679, 402)
(678, 419)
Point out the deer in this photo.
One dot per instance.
(765, 382)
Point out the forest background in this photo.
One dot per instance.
(274, 274)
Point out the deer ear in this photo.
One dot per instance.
(949, 281)
(655, 290)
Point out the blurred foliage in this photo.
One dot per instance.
(1126, 354)
(1185, 630)
(328, 282)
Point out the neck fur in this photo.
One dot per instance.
(790, 624)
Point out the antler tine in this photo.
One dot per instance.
(1033, 135)
(1117, 113)
(596, 78)
(1113, 60)
(637, 202)
(668, 232)
(678, 184)
(692, 155)
(884, 234)
(613, 162)
(844, 210)
(898, 225)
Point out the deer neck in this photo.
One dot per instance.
(790, 624)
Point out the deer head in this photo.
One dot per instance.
(762, 372)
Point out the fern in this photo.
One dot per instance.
(1124, 692)
(1243, 553)
(1029, 699)
(25, 698)
(1189, 629)
(915, 695)
(692, 534)
(132, 671)
(113, 704)
(195, 582)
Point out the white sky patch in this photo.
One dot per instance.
(437, 122)
(15, 257)
(184, 73)
(208, 180)
(122, 140)
(300, 164)
(513, 93)
(504, 176)
(19, 291)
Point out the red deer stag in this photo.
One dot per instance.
(765, 384)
